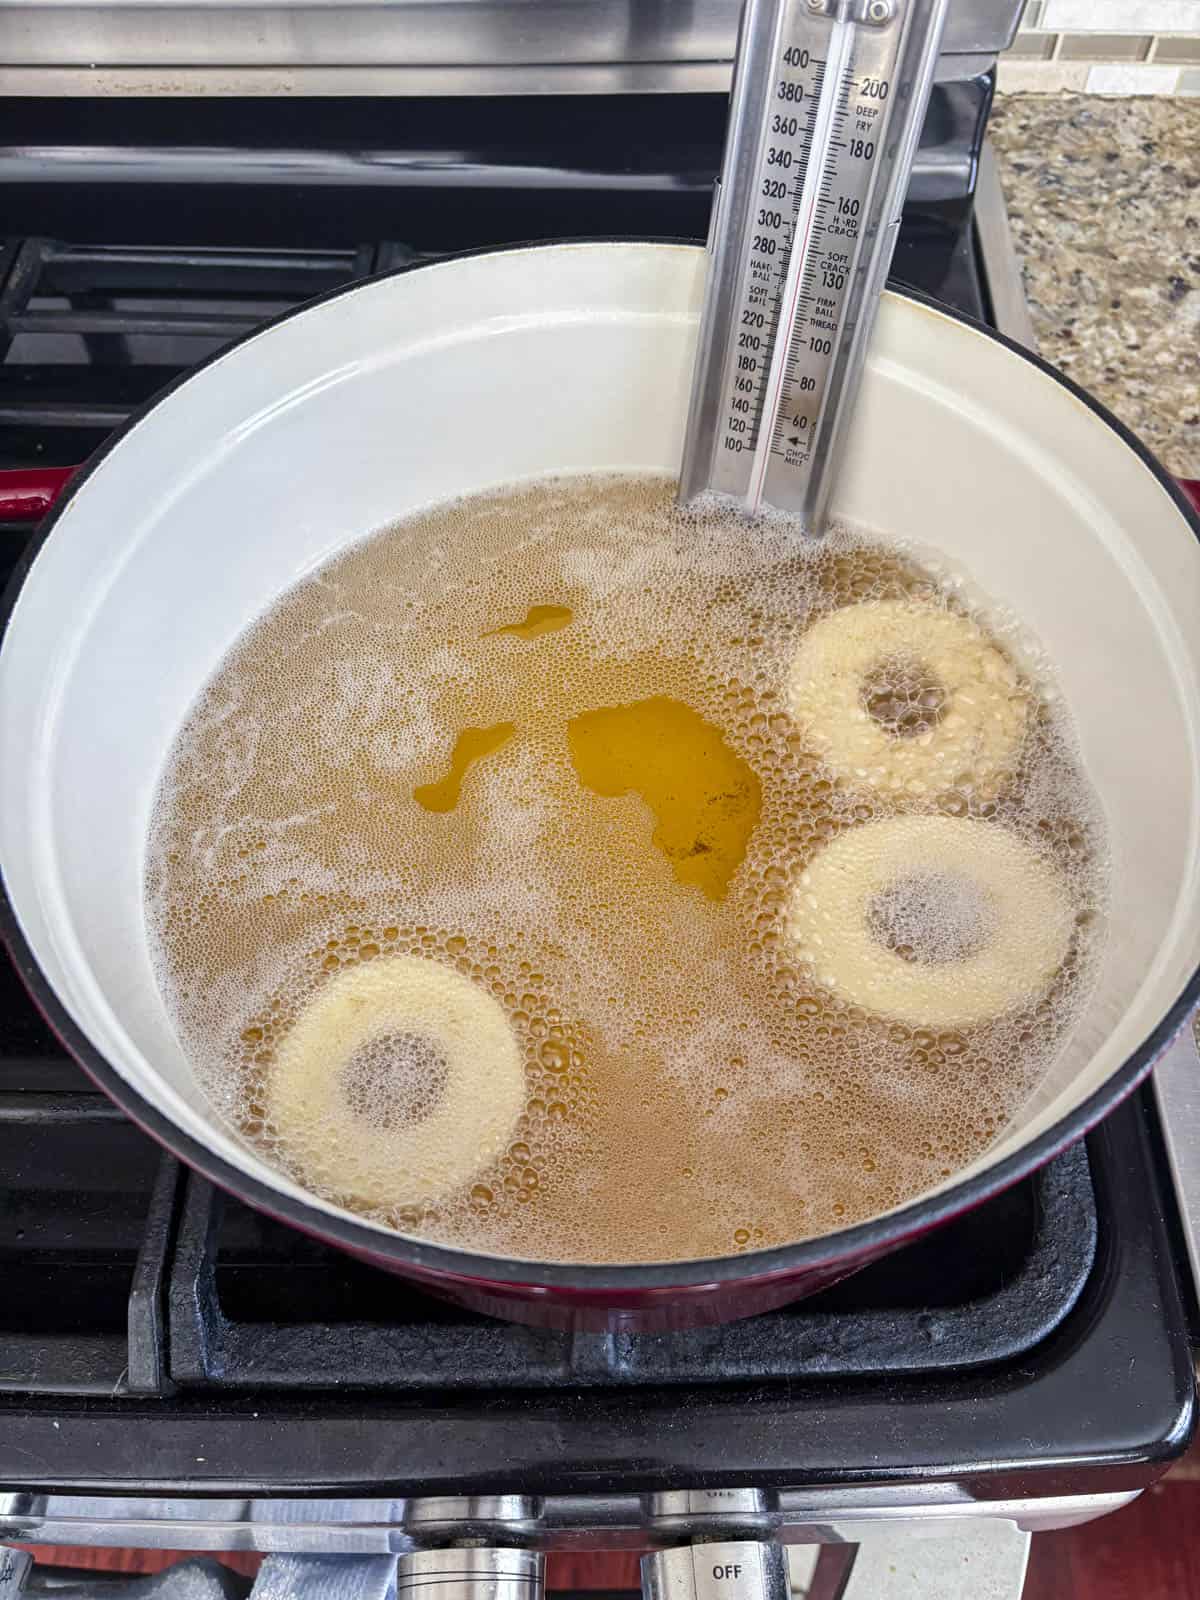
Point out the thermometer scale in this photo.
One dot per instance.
(828, 101)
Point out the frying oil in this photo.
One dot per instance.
(540, 736)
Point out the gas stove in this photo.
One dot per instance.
(178, 1371)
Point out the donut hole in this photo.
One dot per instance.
(934, 917)
(904, 696)
(395, 1080)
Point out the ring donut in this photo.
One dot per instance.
(981, 719)
(990, 919)
(426, 1022)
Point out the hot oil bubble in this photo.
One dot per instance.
(610, 859)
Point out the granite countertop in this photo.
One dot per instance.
(1104, 200)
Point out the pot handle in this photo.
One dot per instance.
(27, 493)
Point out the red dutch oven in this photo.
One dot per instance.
(347, 414)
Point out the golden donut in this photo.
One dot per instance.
(976, 738)
(447, 1029)
(965, 970)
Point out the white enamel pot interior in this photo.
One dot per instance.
(577, 357)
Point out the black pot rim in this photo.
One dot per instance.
(398, 1250)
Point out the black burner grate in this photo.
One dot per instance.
(251, 1304)
(90, 332)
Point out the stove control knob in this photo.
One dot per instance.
(472, 1519)
(712, 1513)
(477, 1573)
(736, 1569)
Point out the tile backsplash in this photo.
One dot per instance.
(1106, 47)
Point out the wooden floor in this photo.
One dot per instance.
(1148, 1551)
